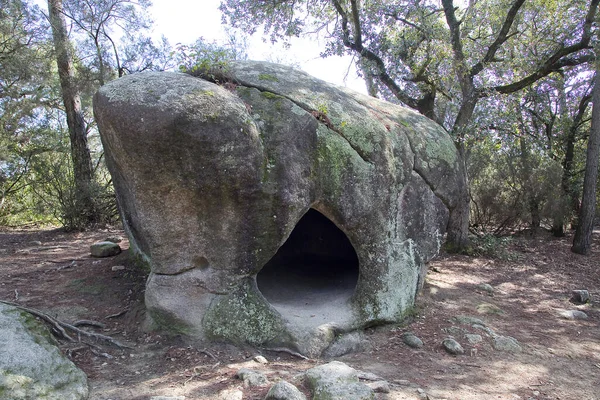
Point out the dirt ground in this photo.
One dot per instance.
(560, 359)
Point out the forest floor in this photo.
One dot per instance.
(51, 270)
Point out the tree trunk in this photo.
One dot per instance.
(583, 235)
(80, 153)
(457, 239)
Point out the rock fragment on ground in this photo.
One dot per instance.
(252, 378)
(104, 249)
(486, 287)
(114, 239)
(337, 381)
(473, 338)
(283, 390)
(573, 314)
(379, 386)
(581, 296)
(231, 394)
(31, 366)
(411, 340)
(506, 343)
(452, 346)
(260, 359)
(167, 398)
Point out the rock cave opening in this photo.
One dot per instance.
(314, 273)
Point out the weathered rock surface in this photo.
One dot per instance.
(506, 343)
(31, 365)
(104, 249)
(283, 390)
(580, 296)
(224, 177)
(572, 314)
(337, 381)
(452, 346)
(411, 340)
(252, 378)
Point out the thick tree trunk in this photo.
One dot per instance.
(457, 239)
(80, 153)
(583, 235)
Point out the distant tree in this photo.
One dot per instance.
(102, 23)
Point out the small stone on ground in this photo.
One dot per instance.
(452, 346)
(104, 249)
(580, 296)
(411, 340)
(573, 314)
(283, 390)
(506, 343)
(252, 378)
(486, 287)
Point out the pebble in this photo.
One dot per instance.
(379, 386)
(118, 268)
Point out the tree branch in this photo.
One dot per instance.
(500, 39)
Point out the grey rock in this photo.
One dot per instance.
(231, 394)
(506, 343)
(117, 268)
(411, 340)
(260, 359)
(473, 339)
(573, 314)
(31, 365)
(580, 296)
(486, 287)
(283, 390)
(488, 331)
(114, 239)
(346, 343)
(252, 378)
(238, 171)
(452, 346)
(104, 249)
(35, 243)
(379, 386)
(337, 381)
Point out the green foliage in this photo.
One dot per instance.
(491, 246)
(208, 60)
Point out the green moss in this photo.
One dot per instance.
(169, 323)
(267, 77)
(270, 95)
(243, 317)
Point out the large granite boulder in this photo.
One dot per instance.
(275, 209)
(31, 365)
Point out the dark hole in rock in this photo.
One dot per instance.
(313, 275)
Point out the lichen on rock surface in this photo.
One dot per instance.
(31, 365)
(224, 177)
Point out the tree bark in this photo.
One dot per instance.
(80, 153)
(583, 235)
(457, 238)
